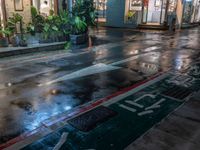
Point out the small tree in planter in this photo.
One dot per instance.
(82, 16)
(4, 33)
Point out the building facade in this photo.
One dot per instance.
(132, 13)
(115, 13)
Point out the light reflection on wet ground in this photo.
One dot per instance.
(25, 104)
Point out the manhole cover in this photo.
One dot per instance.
(177, 92)
(91, 119)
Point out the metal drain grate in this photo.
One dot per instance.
(177, 92)
(91, 119)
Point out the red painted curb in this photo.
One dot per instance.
(19, 138)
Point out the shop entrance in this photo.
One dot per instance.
(153, 12)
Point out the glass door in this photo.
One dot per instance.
(187, 11)
(163, 11)
(153, 12)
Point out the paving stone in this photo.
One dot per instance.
(158, 140)
(181, 128)
(190, 111)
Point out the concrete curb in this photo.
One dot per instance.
(13, 51)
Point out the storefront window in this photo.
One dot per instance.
(133, 11)
(101, 7)
(44, 6)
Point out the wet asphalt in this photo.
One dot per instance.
(36, 87)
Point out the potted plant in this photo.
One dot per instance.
(79, 33)
(4, 33)
(82, 16)
(46, 34)
(31, 34)
(13, 24)
(35, 27)
(64, 26)
(51, 28)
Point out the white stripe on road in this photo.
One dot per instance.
(98, 68)
(153, 48)
(131, 58)
(95, 69)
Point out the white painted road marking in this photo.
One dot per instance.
(147, 110)
(98, 68)
(127, 108)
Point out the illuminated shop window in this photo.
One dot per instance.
(154, 11)
(134, 9)
(101, 7)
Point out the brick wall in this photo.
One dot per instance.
(26, 13)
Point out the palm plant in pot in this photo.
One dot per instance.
(82, 16)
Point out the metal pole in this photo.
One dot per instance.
(166, 12)
(70, 5)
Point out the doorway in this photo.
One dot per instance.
(153, 12)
